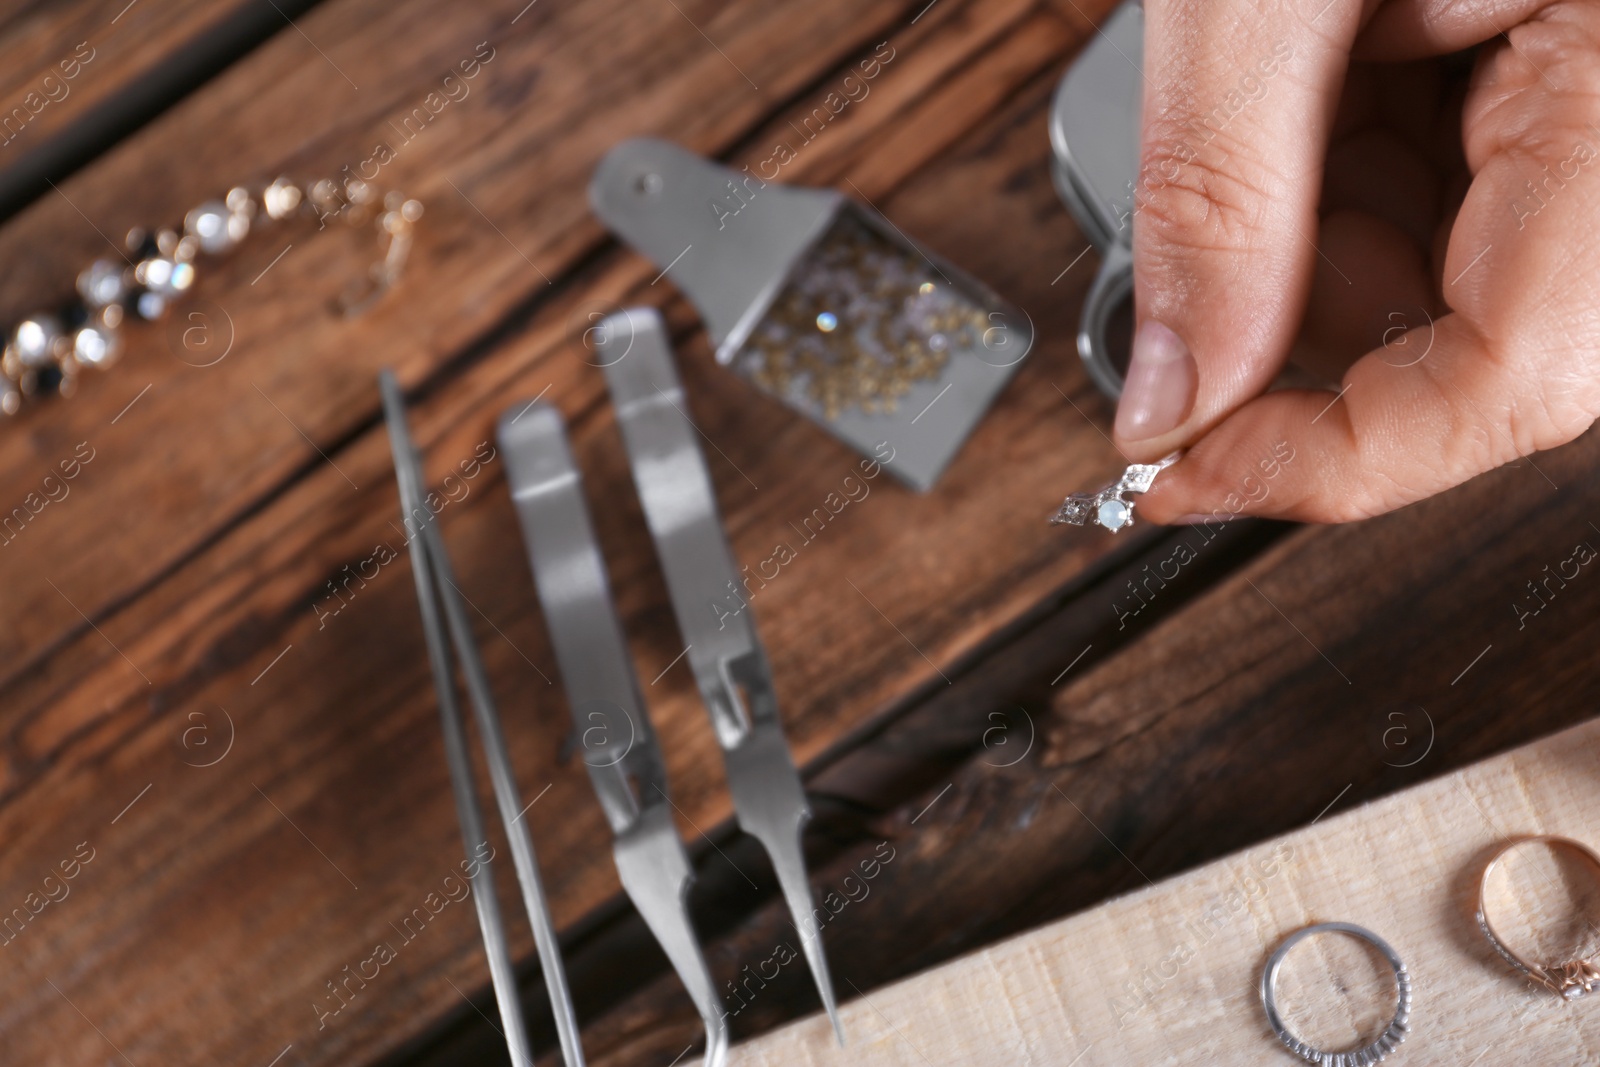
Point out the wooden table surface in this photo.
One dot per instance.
(1167, 975)
(964, 686)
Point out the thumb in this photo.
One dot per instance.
(1237, 111)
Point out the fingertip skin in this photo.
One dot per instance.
(1238, 108)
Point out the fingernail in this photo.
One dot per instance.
(1160, 387)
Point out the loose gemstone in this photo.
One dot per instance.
(164, 276)
(859, 322)
(209, 223)
(101, 284)
(1114, 514)
(154, 273)
(34, 340)
(281, 198)
(94, 347)
(325, 198)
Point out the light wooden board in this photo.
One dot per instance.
(1168, 975)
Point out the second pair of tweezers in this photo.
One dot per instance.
(441, 604)
(729, 664)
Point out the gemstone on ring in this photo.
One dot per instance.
(1075, 510)
(1114, 514)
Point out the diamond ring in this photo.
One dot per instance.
(1110, 507)
(1569, 979)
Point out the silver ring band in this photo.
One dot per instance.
(1386, 1042)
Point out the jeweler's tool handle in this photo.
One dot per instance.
(708, 596)
(711, 605)
(620, 749)
(608, 711)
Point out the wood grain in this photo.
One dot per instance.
(1167, 974)
(89, 49)
(204, 542)
(78, 77)
(503, 173)
(332, 712)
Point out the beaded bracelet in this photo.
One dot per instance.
(45, 352)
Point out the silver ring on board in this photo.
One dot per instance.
(1374, 1052)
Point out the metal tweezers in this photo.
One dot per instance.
(730, 667)
(441, 604)
(620, 748)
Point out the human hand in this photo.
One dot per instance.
(1453, 284)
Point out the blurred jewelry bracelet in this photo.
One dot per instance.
(45, 352)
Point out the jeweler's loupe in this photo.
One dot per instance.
(1094, 136)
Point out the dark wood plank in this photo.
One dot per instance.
(336, 732)
(77, 77)
(503, 174)
(89, 50)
